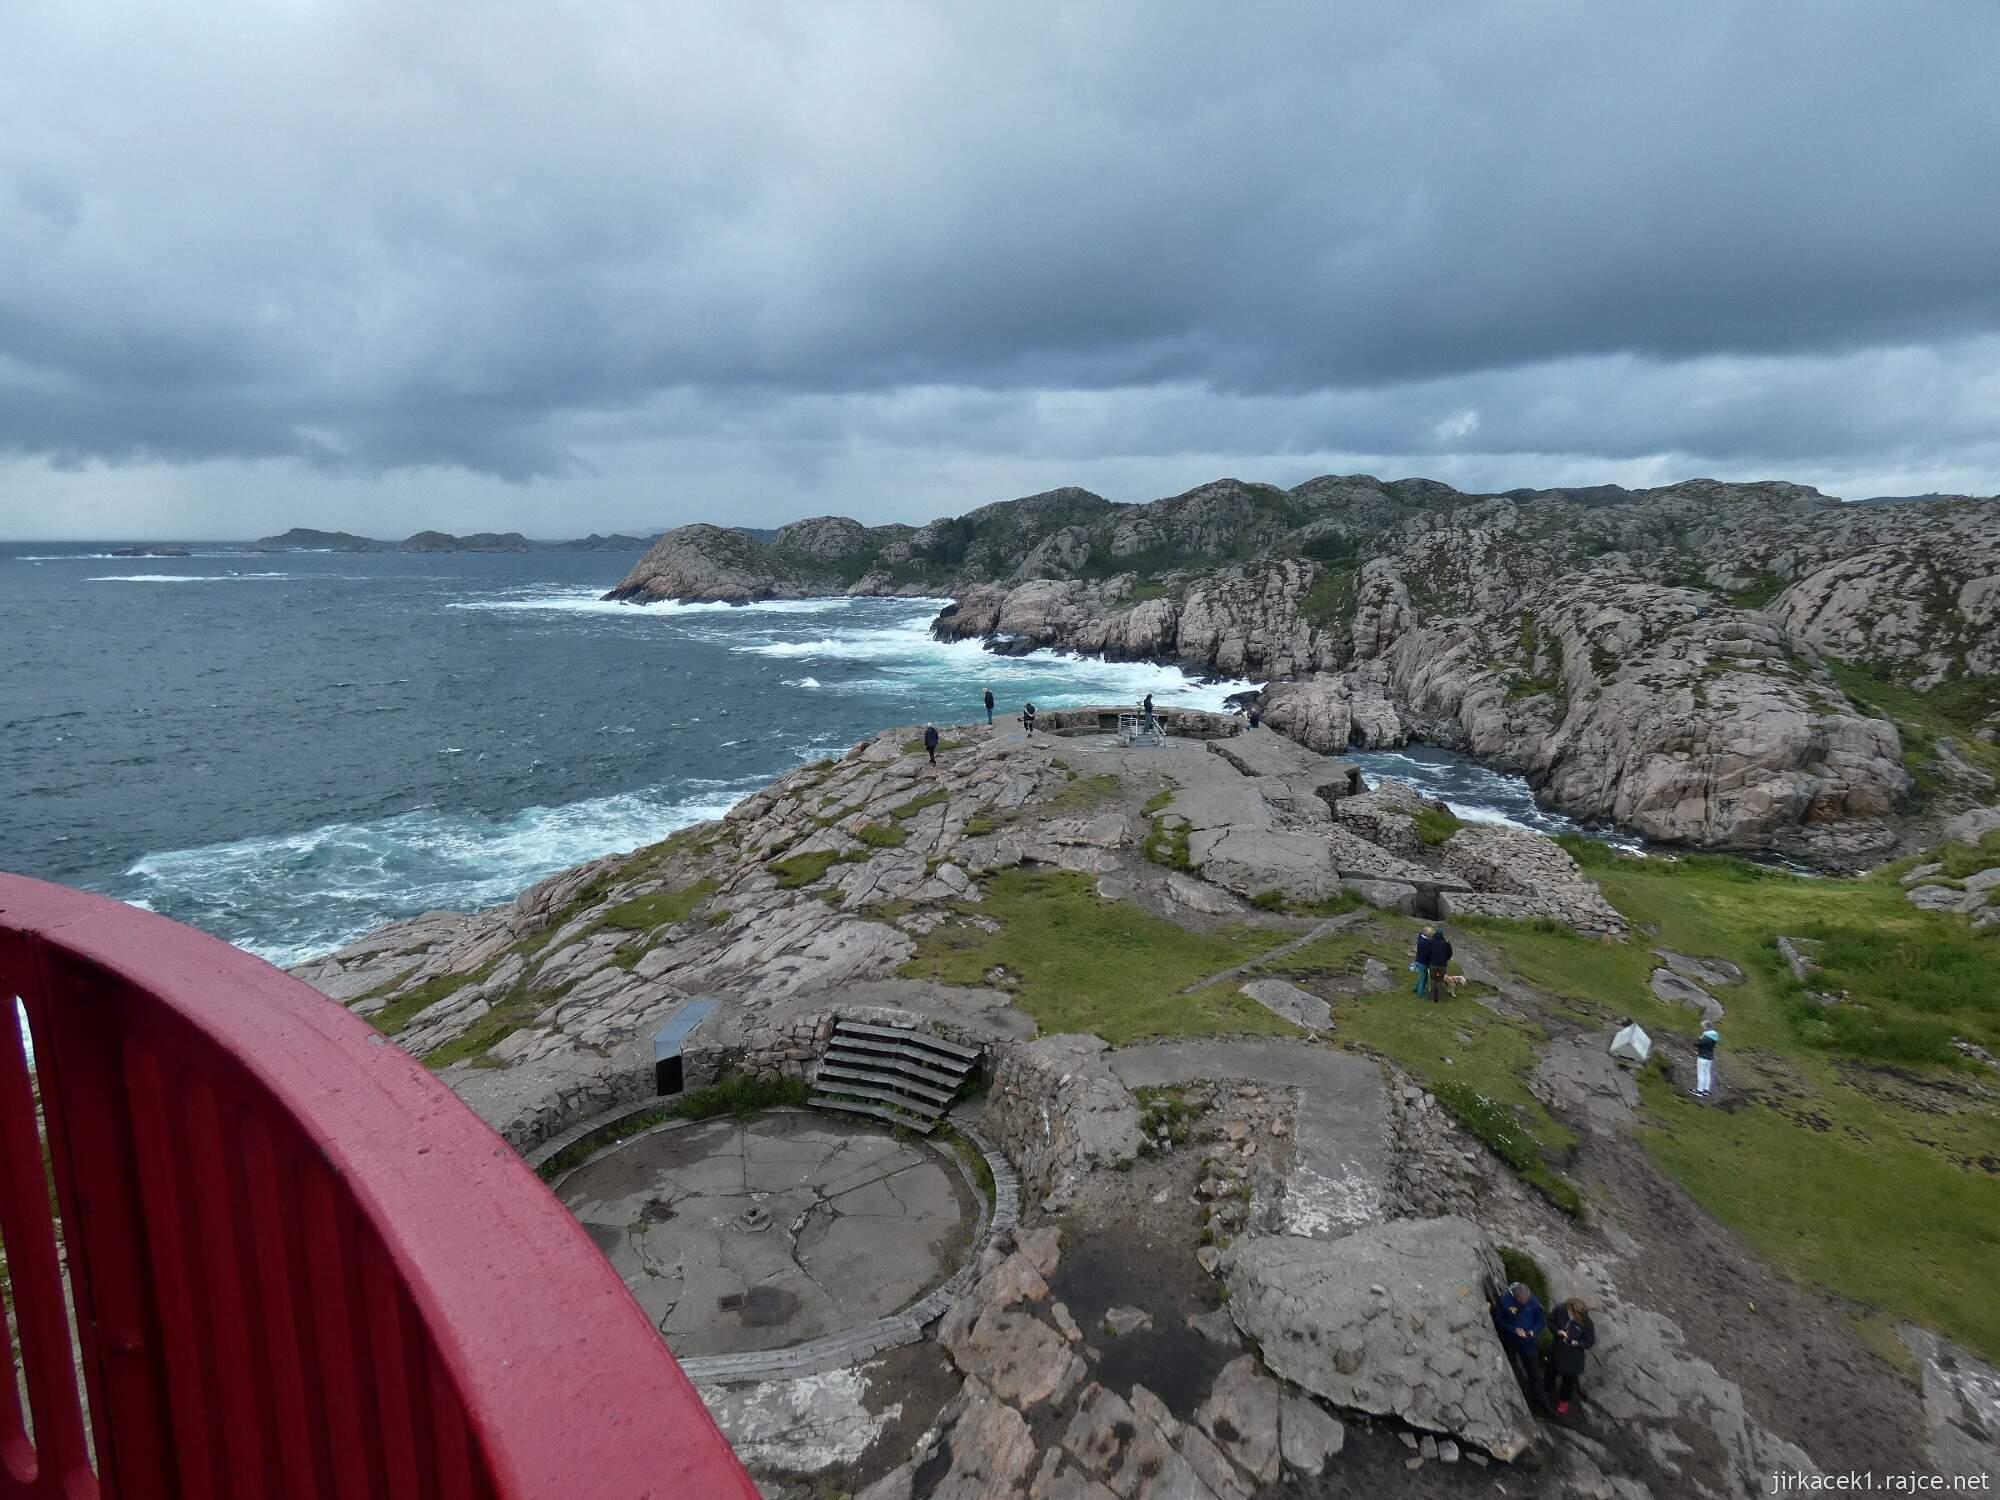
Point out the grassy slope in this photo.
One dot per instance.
(1085, 964)
(1871, 1175)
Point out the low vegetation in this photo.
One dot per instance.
(660, 908)
(1851, 1122)
(1076, 962)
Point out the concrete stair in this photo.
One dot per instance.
(908, 1078)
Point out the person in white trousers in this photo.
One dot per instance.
(1704, 1063)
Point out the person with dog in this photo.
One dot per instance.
(1423, 963)
(1439, 960)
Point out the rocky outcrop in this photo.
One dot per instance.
(1614, 645)
(1391, 1319)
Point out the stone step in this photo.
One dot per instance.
(967, 1055)
(855, 1106)
(881, 1096)
(829, 1070)
(850, 1055)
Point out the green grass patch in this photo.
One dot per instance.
(1519, 1265)
(1824, 1185)
(1329, 603)
(1165, 1109)
(1848, 1126)
(659, 908)
(512, 1012)
(401, 1011)
(1157, 803)
(1083, 794)
(1760, 591)
(974, 1159)
(1167, 844)
(916, 805)
(741, 1095)
(1435, 824)
(802, 869)
(1957, 708)
(1085, 964)
(883, 836)
(1477, 1064)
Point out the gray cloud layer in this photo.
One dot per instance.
(506, 259)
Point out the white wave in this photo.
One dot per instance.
(589, 600)
(117, 556)
(802, 682)
(341, 880)
(911, 662)
(186, 577)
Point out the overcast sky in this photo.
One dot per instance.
(558, 267)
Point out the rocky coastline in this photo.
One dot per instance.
(1258, 1224)
(1677, 662)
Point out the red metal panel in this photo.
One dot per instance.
(301, 1265)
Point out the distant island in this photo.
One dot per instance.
(308, 539)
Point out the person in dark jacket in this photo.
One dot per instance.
(931, 742)
(1148, 707)
(1423, 963)
(1573, 1335)
(1440, 960)
(1028, 719)
(1704, 1062)
(1518, 1317)
(989, 706)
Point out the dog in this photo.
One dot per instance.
(1454, 980)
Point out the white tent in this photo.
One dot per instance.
(1631, 1044)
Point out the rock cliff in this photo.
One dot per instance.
(1676, 660)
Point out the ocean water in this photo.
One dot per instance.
(290, 750)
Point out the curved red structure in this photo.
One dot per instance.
(294, 1263)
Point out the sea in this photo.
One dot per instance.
(288, 750)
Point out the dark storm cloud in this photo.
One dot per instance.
(499, 237)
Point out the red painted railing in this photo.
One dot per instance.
(295, 1265)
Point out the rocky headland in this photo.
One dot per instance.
(1251, 1197)
(1723, 666)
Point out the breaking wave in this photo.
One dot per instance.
(290, 897)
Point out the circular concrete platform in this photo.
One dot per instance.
(740, 1235)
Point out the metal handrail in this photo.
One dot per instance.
(295, 1264)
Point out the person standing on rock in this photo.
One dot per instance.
(1028, 719)
(1704, 1062)
(1518, 1317)
(931, 742)
(1440, 960)
(989, 708)
(1573, 1335)
(1148, 707)
(1423, 963)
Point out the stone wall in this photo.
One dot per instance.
(1057, 1111)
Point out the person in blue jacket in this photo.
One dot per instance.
(1423, 963)
(1518, 1317)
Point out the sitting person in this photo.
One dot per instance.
(1518, 1317)
(1573, 1334)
